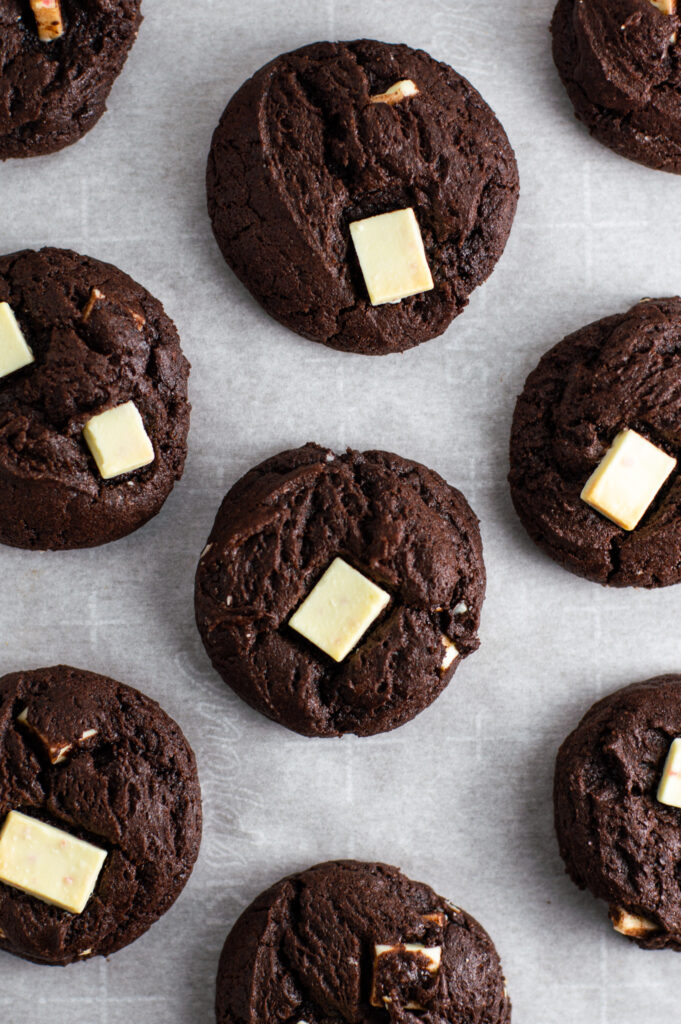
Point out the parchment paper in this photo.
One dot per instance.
(461, 797)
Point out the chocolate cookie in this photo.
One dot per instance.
(320, 139)
(57, 67)
(102, 763)
(348, 941)
(619, 831)
(94, 341)
(339, 593)
(620, 61)
(617, 376)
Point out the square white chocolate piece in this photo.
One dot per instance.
(666, 6)
(48, 19)
(432, 953)
(339, 610)
(401, 90)
(14, 352)
(391, 255)
(118, 441)
(48, 863)
(669, 790)
(627, 479)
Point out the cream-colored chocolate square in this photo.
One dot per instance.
(48, 19)
(14, 352)
(391, 255)
(627, 479)
(48, 863)
(669, 790)
(118, 441)
(339, 610)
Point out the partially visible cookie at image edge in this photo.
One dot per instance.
(595, 447)
(361, 191)
(617, 802)
(619, 61)
(88, 760)
(339, 593)
(94, 413)
(358, 942)
(58, 62)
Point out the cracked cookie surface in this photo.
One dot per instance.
(303, 952)
(620, 62)
(125, 349)
(615, 837)
(622, 371)
(131, 789)
(300, 152)
(51, 94)
(278, 530)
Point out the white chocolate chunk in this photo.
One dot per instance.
(86, 952)
(450, 655)
(338, 611)
(48, 863)
(96, 295)
(118, 441)
(669, 790)
(401, 90)
(627, 479)
(391, 255)
(461, 608)
(666, 6)
(14, 352)
(631, 925)
(431, 953)
(56, 751)
(48, 19)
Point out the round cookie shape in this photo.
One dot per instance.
(277, 532)
(615, 837)
(616, 374)
(301, 152)
(52, 93)
(105, 764)
(619, 61)
(89, 357)
(304, 951)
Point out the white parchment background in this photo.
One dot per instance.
(461, 797)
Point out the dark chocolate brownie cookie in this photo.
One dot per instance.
(618, 374)
(53, 90)
(616, 836)
(99, 341)
(348, 941)
(304, 149)
(103, 763)
(387, 559)
(620, 61)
